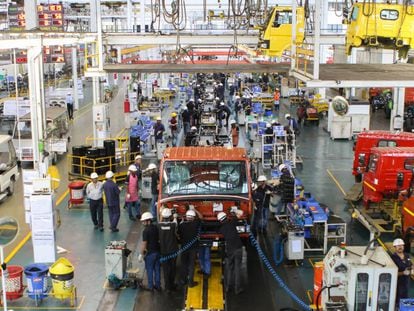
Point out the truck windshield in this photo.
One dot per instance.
(204, 177)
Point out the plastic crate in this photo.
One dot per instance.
(407, 304)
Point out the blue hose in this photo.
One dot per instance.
(276, 276)
(278, 246)
(181, 250)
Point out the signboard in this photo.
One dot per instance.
(17, 20)
(50, 17)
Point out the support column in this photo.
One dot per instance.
(94, 7)
(293, 45)
(129, 24)
(398, 107)
(30, 9)
(142, 15)
(75, 79)
(37, 108)
(317, 35)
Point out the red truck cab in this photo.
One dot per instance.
(390, 171)
(212, 179)
(367, 140)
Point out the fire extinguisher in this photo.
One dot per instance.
(127, 108)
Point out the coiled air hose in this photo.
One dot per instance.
(278, 246)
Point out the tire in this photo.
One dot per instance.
(10, 190)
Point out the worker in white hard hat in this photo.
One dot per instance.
(269, 134)
(112, 192)
(223, 112)
(186, 118)
(234, 250)
(159, 130)
(191, 138)
(137, 163)
(132, 200)
(404, 264)
(173, 125)
(94, 192)
(69, 105)
(167, 230)
(152, 170)
(261, 199)
(150, 252)
(187, 233)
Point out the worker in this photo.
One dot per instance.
(186, 118)
(69, 105)
(137, 163)
(187, 232)
(150, 252)
(224, 112)
(403, 262)
(301, 113)
(167, 231)
(132, 193)
(159, 130)
(261, 199)
(173, 125)
(276, 99)
(112, 192)
(152, 170)
(94, 193)
(234, 251)
(269, 134)
(234, 133)
(191, 137)
(291, 122)
(287, 187)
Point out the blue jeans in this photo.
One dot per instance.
(204, 258)
(153, 205)
(186, 127)
(153, 267)
(264, 219)
(136, 205)
(114, 214)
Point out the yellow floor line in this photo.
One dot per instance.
(29, 235)
(215, 288)
(195, 294)
(336, 182)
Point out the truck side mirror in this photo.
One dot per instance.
(400, 180)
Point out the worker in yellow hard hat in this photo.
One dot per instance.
(173, 125)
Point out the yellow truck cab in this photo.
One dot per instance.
(276, 36)
(383, 25)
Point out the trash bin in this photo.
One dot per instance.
(76, 193)
(14, 282)
(36, 276)
(61, 273)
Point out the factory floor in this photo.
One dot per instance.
(326, 173)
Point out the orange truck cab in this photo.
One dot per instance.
(367, 140)
(212, 179)
(390, 171)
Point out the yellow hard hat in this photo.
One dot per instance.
(173, 114)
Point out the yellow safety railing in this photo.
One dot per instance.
(304, 57)
(91, 55)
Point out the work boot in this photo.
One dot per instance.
(192, 284)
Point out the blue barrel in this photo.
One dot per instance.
(36, 276)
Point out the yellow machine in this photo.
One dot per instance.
(384, 25)
(276, 37)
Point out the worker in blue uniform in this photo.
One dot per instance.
(150, 252)
(159, 130)
(167, 231)
(112, 192)
(403, 262)
(261, 199)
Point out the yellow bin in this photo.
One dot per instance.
(61, 273)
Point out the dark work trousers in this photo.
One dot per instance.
(114, 214)
(187, 265)
(233, 270)
(96, 207)
(168, 268)
(70, 110)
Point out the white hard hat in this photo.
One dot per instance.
(199, 100)
(166, 213)
(221, 216)
(152, 166)
(220, 83)
(262, 178)
(132, 168)
(222, 104)
(398, 242)
(217, 98)
(282, 166)
(237, 96)
(287, 115)
(109, 174)
(158, 118)
(146, 216)
(94, 175)
(190, 213)
(268, 125)
(232, 122)
(194, 128)
(138, 157)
